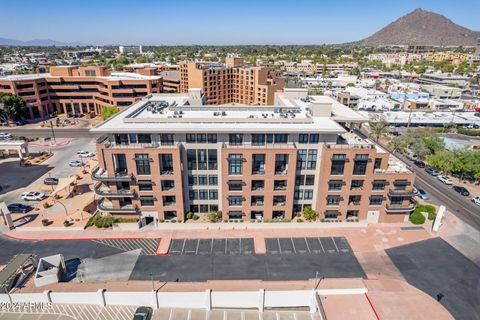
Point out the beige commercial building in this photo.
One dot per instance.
(169, 154)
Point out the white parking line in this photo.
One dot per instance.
(293, 246)
(183, 246)
(196, 250)
(308, 247)
(279, 246)
(333, 239)
(321, 245)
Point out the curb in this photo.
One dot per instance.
(76, 239)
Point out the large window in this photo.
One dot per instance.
(213, 180)
(338, 164)
(144, 138)
(258, 139)
(235, 163)
(235, 185)
(303, 138)
(212, 138)
(120, 162)
(202, 180)
(192, 159)
(302, 159)
(335, 185)
(360, 164)
(281, 163)
(146, 201)
(333, 200)
(145, 185)
(167, 139)
(166, 163)
(235, 139)
(235, 200)
(308, 194)
(258, 165)
(281, 138)
(202, 159)
(212, 159)
(168, 185)
(142, 161)
(378, 185)
(312, 159)
(169, 200)
(258, 185)
(121, 138)
(376, 200)
(213, 194)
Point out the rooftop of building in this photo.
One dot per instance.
(445, 76)
(186, 113)
(112, 76)
(401, 117)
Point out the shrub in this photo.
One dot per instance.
(309, 214)
(107, 112)
(214, 216)
(300, 220)
(100, 221)
(195, 217)
(125, 220)
(417, 218)
(189, 215)
(426, 208)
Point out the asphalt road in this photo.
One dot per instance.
(47, 132)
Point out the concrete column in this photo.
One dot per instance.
(47, 295)
(101, 297)
(208, 299)
(155, 299)
(20, 153)
(261, 300)
(313, 302)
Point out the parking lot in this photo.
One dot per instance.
(319, 245)
(148, 246)
(242, 246)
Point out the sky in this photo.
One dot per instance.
(217, 22)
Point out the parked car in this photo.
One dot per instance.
(476, 200)
(4, 135)
(411, 156)
(143, 313)
(33, 196)
(462, 190)
(85, 154)
(50, 181)
(423, 194)
(432, 171)
(445, 180)
(419, 163)
(19, 208)
(75, 163)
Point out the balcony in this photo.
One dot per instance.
(100, 174)
(400, 208)
(404, 193)
(106, 192)
(108, 207)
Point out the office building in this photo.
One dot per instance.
(169, 154)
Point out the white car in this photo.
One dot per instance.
(445, 180)
(4, 135)
(75, 163)
(476, 200)
(33, 196)
(85, 154)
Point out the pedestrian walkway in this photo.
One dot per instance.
(148, 246)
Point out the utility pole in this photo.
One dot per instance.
(53, 132)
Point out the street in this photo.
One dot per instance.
(15, 179)
(47, 132)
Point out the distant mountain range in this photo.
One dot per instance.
(37, 42)
(423, 28)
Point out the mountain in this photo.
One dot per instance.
(423, 28)
(37, 42)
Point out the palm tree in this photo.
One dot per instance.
(397, 144)
(378, 129)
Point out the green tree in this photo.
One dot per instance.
(109, 111)
(13, 106)
(310, 214)
(378, 129)
(397, 145)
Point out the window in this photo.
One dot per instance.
(278, 214)
(331, 214)
(203, 194)
(191, 138)
(192, 180)
(142, 161)
(401, 184)
(396, 200)
(144, 138)
(302, 159)
(212, 138)
(338, 164)
(258, 139)
(258, 165)
(201, 138)
(378, 164)
(257, 200)
(281, 138)
(235, 163)
(378, 185)
(360, 164)
(235, 214)
(300, 180)
(308, 194)
(235, 139)
(352, 213)
(314, 138)
(121, 138)
(167, 139)
(333, 200)
(213, 180)
(298, 195)
(258, 185)
(376, 200)
(168, 185)
(146, 201)
(309, 180)
(202, 180)
(90, 73)
(235, 185)
(303, 138)
(312, 159)
(356, 185)
(212, 159)
(120, 162)
(235, 201)
(279, 200)
(202, 159)
(133, 138)
(192, 159)
(281, 163)
(213, 194)
(354, 200)
(169, 200)
(335, 185)
(166, 163)
(194, 208)
(145, 185)
(193, 195)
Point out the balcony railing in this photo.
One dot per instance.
(405, 193)
(106, 192)
(108, 207)
(246, 145)
(400, 208)
(100, 174)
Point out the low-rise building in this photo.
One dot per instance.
(169, 154)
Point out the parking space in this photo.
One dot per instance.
(319, 245)
(148, 246)
(238, 246)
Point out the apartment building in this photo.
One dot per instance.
(232, 82)
(168, 154)
(79, 90)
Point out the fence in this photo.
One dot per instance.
(259, 300)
